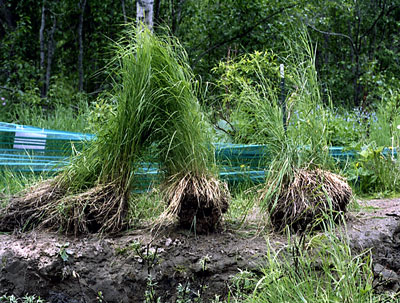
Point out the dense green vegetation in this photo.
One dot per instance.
(356, 58)
(58, 65)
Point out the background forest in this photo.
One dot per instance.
(57, 52)
(57, 65)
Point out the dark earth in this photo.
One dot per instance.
(116, 269)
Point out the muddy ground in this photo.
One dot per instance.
(105, 269)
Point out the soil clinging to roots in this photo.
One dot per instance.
(197, 202)
(307, 197)
(49, 206)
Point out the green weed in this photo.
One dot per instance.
(316, 268)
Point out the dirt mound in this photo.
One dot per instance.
(65, 269)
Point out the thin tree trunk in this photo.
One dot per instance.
(80, 55)
(50, 54)
(124, 11)
(156, 8)
(42, 50)
(6, 16)
(176, 16)
(144, 12)
(173, 17)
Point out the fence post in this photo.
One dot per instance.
(283, 98)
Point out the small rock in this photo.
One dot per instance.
(168, 242)
(388, 276)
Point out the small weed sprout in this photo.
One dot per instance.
(8, 299)
(32, 299)
(150, 293)
(204, 261)
(183, 295)
(25, 299)
(216, 299)
(64, 252)
(100, 297)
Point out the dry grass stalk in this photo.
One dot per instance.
(306, 197)
(198, 202)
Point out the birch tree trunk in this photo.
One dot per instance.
(144, 12)
(80, 55)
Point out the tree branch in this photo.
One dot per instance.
(333, 34)
(241, 34)
(390, 9)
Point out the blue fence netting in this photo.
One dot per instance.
(32, 149)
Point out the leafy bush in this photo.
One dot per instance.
(376, 170)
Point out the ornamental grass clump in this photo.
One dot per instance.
(157, 110)
(299, 190)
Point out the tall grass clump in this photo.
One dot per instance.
(157, 110)
(319, 269)
(298, 188)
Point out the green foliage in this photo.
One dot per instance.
(320, 268)
(346, 127)
(220, 29)
(144, 208)
(13, 182)
(375, 170)
(245, 70)
(61, 117)
(25, 299)
(101, 111)
(350, 62)
(249, 94)
(384, 123)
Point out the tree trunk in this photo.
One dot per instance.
(176, 14)
(157, 12)
(6, 17)
(144, 12)
(50, 53)
(124, 11)
(80, 55)
(42, 50)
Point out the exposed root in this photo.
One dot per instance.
(307, 197)
(197, 201)
(27, 209)
(99, 209)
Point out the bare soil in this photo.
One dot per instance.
(116, 269)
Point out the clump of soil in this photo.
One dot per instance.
(27, 209)
(307, 197)
(49, 206)
(197, 201)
